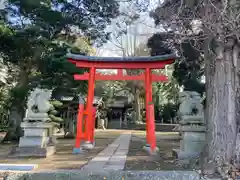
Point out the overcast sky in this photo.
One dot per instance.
(143, 27)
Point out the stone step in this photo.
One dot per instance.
(32, 152)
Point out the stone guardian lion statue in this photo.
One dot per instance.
(38, 105)
(191, 104)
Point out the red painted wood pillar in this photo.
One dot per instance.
(89, 106)
(79, 134)
(148, 87)
(150, 118)
(93, 124)
(151, 126)
(120, 72)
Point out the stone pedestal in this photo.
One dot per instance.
(192, 143)
(147, 148)
(38, 140)
(192, 127)
(88, 145)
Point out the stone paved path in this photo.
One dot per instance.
(113, 157)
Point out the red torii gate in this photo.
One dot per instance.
(119, 63)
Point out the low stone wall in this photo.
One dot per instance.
(110, 175)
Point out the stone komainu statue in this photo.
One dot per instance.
(191, 104)
(38, 105)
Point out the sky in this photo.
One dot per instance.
(2, 4)
(144, 27)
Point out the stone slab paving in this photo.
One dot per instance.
(113, 157)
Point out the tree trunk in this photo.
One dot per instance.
(17, 109)
(69, 131)
(221, 87)
(237, 104)
(137, 107)
(14, 130)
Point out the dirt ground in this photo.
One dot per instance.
(63, 159)
(138, 159)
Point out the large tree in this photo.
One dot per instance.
(38, 36)
(216, 23)
(189, 68)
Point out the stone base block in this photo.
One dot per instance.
(77, 150)
(52, 141)
(41, 132)
(192, 146)
(180, 154)
(88, 145)
(147, 148)
(34, 141)
(32, 152)
(34, 125)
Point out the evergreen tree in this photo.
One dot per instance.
(35, 36)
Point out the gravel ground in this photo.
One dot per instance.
(138, 159)
(111, 175)
(63, 159)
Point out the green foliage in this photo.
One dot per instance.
(168, 91)
(4, 106)
(168, 111)
(108, 90)
(19, 93)
(35, 36)
(57, 104)
(63, 16)
(159, 45)
(54, 112)
(189, 68)
(56, 71)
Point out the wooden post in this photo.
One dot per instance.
(93, 125)
(151, 126)
(120, 72)
(120, 125)
(79, 134)
(90, 98)
(148, 94)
